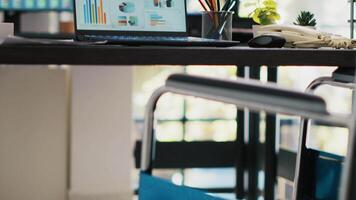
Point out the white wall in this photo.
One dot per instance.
(33, 134)
(34, 142)
(102, 156)
(1, 16)
(40, 22)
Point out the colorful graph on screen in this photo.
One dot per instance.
(157, 20)
(131, 15)
(94, 12)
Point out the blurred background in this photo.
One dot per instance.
(179, 119)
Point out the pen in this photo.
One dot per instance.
(231, 6)
(212, 5)
(226, 4)
(209, 5)
(225, 17)
(202, 5)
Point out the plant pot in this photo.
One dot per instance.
(255, 29)
(311, 27)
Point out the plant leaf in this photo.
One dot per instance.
(256, 15)
(305, 18)
(270, 3)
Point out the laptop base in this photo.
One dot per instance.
(162, 41)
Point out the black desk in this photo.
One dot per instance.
(157, 55)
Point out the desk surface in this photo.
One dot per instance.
(160, 55)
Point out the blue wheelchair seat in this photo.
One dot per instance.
(328, 169)
(154, 188)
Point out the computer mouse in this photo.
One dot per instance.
(269, 41)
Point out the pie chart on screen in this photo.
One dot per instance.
(127, 7)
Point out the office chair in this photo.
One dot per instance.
(244, 94)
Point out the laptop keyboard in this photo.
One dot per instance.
(136, 38)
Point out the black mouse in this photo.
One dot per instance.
(271, 41)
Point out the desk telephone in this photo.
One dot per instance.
(306, 37)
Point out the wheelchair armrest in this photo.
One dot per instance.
(250, 94)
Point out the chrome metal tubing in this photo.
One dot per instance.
(304, 122)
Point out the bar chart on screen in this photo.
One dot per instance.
(94, 12)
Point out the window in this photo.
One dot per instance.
(185, 118)
(188, 119)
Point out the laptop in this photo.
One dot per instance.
(137, 22)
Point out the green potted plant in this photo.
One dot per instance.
(265, 13)
(306, 18)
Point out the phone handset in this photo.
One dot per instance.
(300, 36)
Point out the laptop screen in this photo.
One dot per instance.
(131, 15)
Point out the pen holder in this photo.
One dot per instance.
(217, 25)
